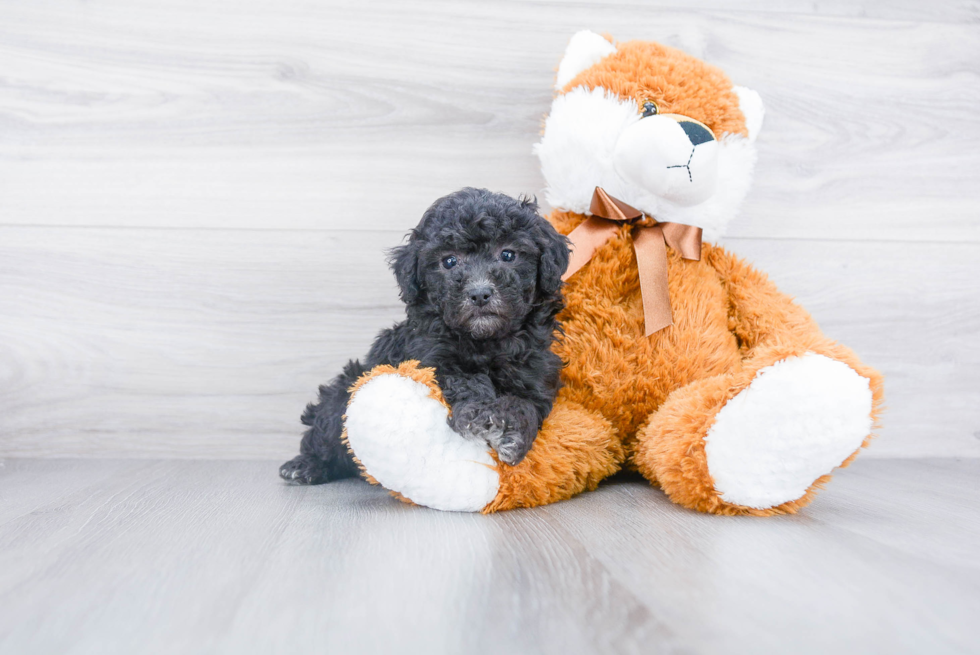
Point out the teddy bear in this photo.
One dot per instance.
(683, 362)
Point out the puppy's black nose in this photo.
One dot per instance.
(480, 295)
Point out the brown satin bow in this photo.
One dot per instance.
(650, 244)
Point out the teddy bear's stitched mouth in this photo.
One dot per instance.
(687, 165)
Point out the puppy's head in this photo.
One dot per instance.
(486, 263)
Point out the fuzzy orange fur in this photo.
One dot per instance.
(769, 328)
(677, 82)
(662, 392)
(574, 451)
(648, 402)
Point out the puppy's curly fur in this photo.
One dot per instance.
(481, 280)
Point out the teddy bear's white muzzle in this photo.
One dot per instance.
(659, 155)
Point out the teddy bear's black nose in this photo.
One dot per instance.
(696, 132)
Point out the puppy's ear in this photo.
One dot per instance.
(554, 261)
(554, 255)
(404, 262)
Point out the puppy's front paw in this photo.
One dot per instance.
(477, 421)
(511, 446)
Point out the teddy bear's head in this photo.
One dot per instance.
(655, 128)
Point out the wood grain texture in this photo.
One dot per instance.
(181, 343)
(220, 557)
(327, 115)
(195, 197)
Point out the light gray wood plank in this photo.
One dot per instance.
(138, 548)
(220, 557)
(177, 343)
(865, 505)
(219, 334)
(205, 343)
(287, 115)
(511, 583)
(215, 557)
(20, 494)
(824, 580)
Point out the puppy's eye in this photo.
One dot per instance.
(508, 255)
(450, 261)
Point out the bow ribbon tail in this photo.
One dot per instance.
(650, 245)
(685, 239)
(586, 239)
(651, 261)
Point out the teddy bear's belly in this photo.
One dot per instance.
(616, 370)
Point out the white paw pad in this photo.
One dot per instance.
(798, 420)
(400, 435)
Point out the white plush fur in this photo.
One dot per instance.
(752, 108)
(577, 154)
(647, 154)
(584, 49)
(401, 436)
(798, 420)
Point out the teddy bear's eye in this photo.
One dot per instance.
(508, 255)
(650, 108)
(450, 261)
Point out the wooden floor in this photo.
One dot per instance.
(144, 556)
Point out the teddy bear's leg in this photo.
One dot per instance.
(396, 427)
(763, 439)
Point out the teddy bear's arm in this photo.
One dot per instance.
(770, 326)
(396, 425)
(759, 313)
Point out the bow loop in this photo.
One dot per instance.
(650, 243)
(614, 209)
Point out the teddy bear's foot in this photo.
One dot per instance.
(396, 426)
(798, 420)
(759, 447)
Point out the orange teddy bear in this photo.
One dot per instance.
(684, 362)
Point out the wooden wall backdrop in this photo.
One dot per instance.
(195, 196)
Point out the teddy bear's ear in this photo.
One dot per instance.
(751, 105)
(584, 50)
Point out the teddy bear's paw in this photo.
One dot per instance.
(798, 420)
(401, 436)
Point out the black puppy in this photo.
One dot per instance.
(481, 280)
